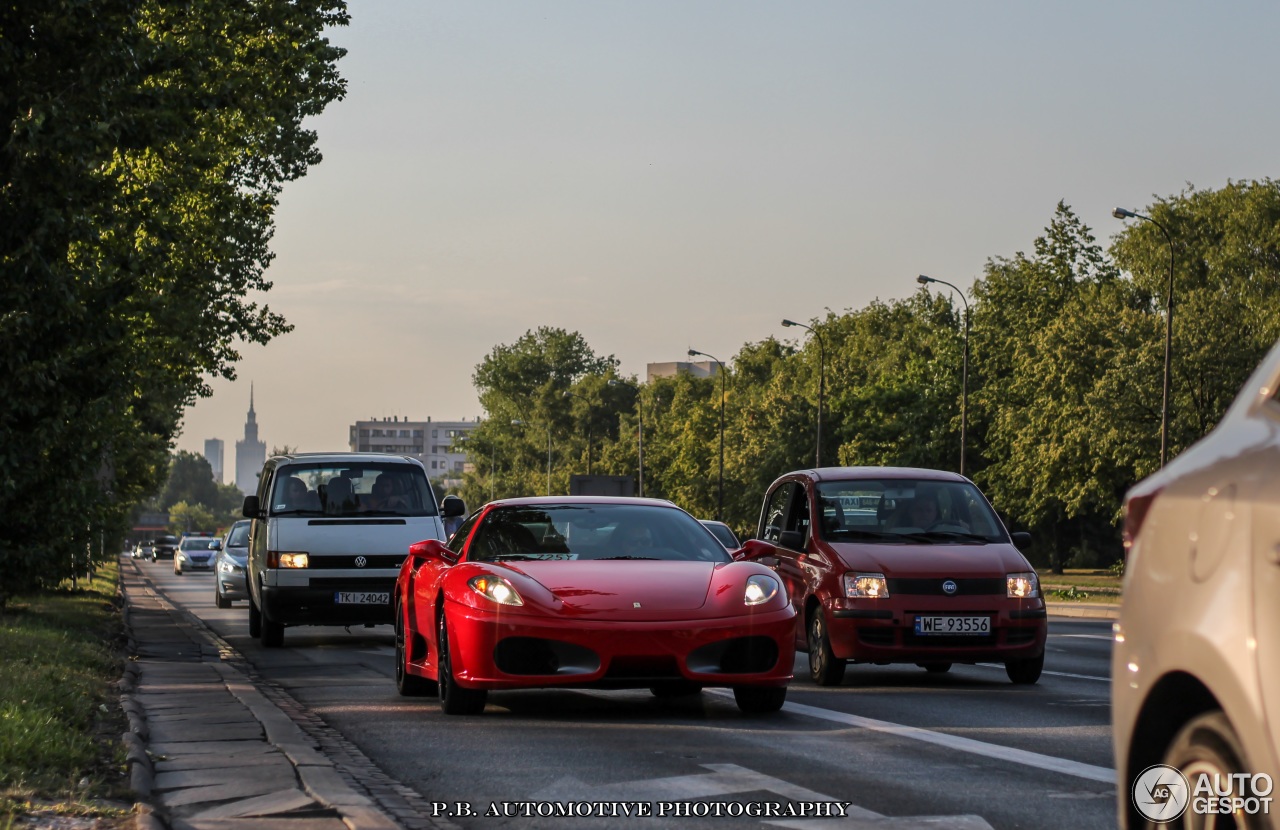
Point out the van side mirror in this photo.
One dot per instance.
(216, 544)
(251, 510)
(1021, 539)
(452, 507)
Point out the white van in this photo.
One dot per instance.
(329, 531)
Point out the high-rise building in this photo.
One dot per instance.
(250, 453)
(437, 444)
(213, 454)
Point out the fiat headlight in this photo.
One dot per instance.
(495, 588)
(760, 589)
(865, 586)
(1023, 585)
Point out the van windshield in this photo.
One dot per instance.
(364, 490)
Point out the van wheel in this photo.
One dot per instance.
(272, 633)
(255, 618)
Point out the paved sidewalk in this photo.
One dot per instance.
(207, 749)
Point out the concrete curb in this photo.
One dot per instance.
(142, 773)
(1091, 610)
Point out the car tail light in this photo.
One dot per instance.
(1136, 508)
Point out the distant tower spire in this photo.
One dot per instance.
(250, 452)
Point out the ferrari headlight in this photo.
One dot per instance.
(495, 588)
(865, 586)
(1023, 585)
(760, 589)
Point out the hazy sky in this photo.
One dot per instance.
(666, 175)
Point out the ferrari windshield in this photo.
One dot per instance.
(593, 531)
(906, 510)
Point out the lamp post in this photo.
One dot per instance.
(588, 403)
(1122, 213)
(964, 370)
(640, 422)
(822, 385)
(720, 501)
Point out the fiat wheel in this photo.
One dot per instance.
(824, 667)
(1024, 672)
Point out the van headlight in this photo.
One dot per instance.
(287, 559)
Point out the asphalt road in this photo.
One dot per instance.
(891, 743)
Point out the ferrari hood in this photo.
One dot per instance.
(992, 560)
(609, 587)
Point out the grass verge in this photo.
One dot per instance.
(60, 720)
(1081, 585)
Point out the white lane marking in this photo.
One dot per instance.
(1053, 673)
(1107, 637)
(956, 742)
(731, 779)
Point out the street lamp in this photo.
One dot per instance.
(640, 421)
(822, 385)
(1122, 213)
(720, 503)
(964, 371)
(588, 403)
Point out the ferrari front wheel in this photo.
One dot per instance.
(757, 700)
(454, 699)
(408, 685)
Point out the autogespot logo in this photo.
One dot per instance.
(1161, 793)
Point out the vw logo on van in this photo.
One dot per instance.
(361, 561)
(949, 587)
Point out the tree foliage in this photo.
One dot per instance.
(1065, 376)
(144, 148)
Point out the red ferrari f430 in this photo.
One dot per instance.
(589, 592)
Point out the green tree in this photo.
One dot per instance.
(145, 146)
(1226, 247)
(522, 388)
(191, 518)
(190, 481)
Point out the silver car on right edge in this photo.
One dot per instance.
(1196, 663)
